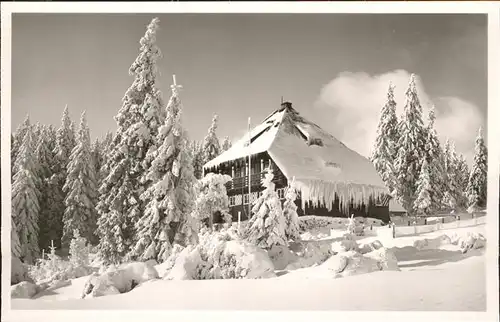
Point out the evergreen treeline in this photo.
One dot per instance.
(419, 172)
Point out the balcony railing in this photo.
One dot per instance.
(241, 182)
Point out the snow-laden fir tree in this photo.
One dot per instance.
(424, 203)
(411, 148)
(266, 228)
(211, 145)
(226, 144)
(81, 189)
(25, 206)
(120, 206)
(64, 144)
(197, 153)
(97, 158)
(290, 212)
(17, 141)
(462, 179)
(435, 162)
(104, 151)
(453, 193)
(78, 250)
(45, 159)
(478, 179)
(384, 153)
(170, 199)
(211, 198)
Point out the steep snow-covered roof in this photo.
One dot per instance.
(320, 163)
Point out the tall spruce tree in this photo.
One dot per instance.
(45, 159)
(138, 120)
(462, 179)
(64, 144)
(170, 199)
(81, 190)
(385, 151)
(435, 162)
(25, 206)
(211, 145)
(411, 148)
(478, 179)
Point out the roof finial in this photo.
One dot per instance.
(281, 99)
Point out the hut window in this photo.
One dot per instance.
(231, 201)
(281, 193)
(237, 200)
(245, 199)
(315, 141)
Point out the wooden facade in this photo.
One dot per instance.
(237, 190)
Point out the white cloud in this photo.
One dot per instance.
(350, 105)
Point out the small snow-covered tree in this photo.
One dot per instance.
(25, 206)
(78, 250)
(226, 144)
(478, 179)
(120, 205)
(290, 212)
(211, 197)
(266, 228)
(423, 205)
(385, 151)
(81, 189)
(211, 145)
(411, 148)
(170, 198)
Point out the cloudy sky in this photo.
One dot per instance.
(335, 69)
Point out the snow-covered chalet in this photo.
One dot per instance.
(333, 180)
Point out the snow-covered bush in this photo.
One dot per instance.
(351, 263)
(119, 279)
(220, 255)
(432, 243)
(385, 257)
(472, 241)
(311, 223)
(348, 243)
(309, 254)
(212, 197)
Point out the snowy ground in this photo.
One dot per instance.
(436, 278)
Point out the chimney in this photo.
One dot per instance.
(286, 105)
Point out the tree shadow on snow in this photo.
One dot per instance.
(429, 257)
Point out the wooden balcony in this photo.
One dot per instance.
(239, 183)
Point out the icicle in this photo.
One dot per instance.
(320, 193)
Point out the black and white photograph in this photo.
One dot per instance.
(251, 161)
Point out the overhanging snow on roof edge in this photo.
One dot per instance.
(321, 170)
